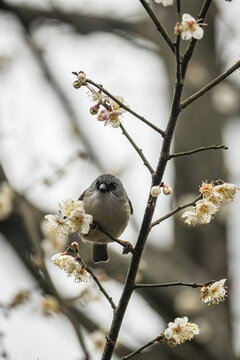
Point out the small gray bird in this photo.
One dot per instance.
(107, 201)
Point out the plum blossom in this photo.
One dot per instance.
(71, 267)
(53, 240)
(190, 28)
(180, 330)
(72, 219)
(214, 293)
(214, 195)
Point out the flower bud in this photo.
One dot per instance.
(75, 246)
(155, 191)
(76, 84)
(94, 109)
(178, 28)
(167, 190)
(81, 77)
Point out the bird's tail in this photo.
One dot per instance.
(100, 253)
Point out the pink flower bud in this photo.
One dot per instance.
(167, 190)
(94, 109)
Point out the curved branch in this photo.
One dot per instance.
(179, 208)
(100, 87)
(159, 339)
(202, 148)
(159, 27)
(138, 150)
(178, 283)
(209, 86)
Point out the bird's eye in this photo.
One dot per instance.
(97, 184)
(111, 186)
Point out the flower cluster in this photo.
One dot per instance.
(110, 112)
(164, 2)
(81, 79)
(71, 267)
(6, 200)
(180, 330)
(73, 219)
(214, 293)
(213, 197)
(156, 190)
(188, 28)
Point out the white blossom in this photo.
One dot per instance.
(214, 293)
(6, 200)
(213, 197)
(56, 226)
(75, 215)
(190, 28)
(164, 2)
(71, 267)
(180, 330)
(226, 190)
(201, 214)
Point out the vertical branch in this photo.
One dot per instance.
(191, 45)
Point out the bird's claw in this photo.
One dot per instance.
(127, 247)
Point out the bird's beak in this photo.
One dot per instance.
(103, 187)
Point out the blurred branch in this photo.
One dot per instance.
(100, 87)
(209, 86)
(71, 251)
(139, 151)
(159, 27)
(178, 283)
(159, 339)
(202, 148)
(34, 237)
(58, 91)
(179, 208)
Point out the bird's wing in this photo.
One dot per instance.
(131, 207)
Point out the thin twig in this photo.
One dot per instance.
(139, 151)
(100, 87)
(159, 27)
(178, 38)
(71, 251)
(209, 86)
(159, 339)
(179, 208)
(202, 148)
(189, 51)
(178, 283)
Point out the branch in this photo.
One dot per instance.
(202, 148)
(209, 86)
(139, 151)
(159, 339)
(159, 27)
(71, 251)
(178, 283)
(179, 208)
(100, 87)
(192, 43)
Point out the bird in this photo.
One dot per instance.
(107, 201)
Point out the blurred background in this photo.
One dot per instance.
(51, 149)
